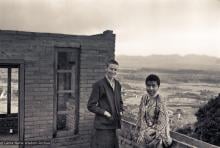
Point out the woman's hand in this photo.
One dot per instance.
(140, 139)
(168, 141)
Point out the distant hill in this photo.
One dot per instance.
(171, 62)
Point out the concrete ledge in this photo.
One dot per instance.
(56, 34)
(191, 141)
(127, 138)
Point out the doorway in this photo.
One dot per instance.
(66, 117)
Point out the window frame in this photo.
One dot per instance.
(9, 75)
(18, 63)
(60, 133)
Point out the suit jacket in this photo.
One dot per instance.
(104, 98)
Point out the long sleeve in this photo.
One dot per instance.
(142, 130)
(93, 101)
(164, 124)
(138, 133)
(168, 140)
(138, 123)
(121, 102)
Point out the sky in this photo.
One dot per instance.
(142, 27)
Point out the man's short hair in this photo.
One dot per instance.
(153, 77)
(112, 61)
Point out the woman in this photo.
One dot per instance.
(153, 122)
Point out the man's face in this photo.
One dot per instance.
(152, 87)
(111, 70)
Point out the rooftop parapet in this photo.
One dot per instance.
(127, 139)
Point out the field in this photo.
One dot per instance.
(185, 91)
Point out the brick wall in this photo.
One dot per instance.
(37, 51)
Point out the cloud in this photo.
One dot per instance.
(144, 26)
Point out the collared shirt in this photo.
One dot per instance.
(111, 82)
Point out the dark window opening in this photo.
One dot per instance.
(9, 85)
(67, 110)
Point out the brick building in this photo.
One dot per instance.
(47, 79)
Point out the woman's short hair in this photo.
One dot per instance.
(152, 77)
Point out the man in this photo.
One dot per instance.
(106, 102)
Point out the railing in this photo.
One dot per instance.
(127, 139)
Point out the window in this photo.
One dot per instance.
(8, 90)
(9, 84)
(67, 91)
(12, 100)
(3, 90)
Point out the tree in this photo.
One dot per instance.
(207, 127)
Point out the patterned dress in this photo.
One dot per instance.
(153, 122)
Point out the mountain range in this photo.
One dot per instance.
(170, 62)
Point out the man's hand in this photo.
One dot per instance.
(121, 113)
(107, 114)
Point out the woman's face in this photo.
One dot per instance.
(152, 87)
